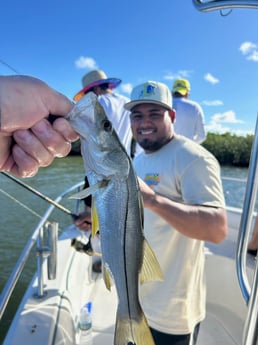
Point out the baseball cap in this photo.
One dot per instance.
(150, 92)
(181, 86)
(95, 78)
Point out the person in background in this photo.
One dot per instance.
(253, 244)
(27, 139)
(190, 117)
(183, 207)
(112, 102)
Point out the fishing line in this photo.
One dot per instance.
(20, 203)
(9, 66)
(42, 196)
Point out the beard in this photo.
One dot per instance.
(152, 146)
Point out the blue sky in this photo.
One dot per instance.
(138, 40)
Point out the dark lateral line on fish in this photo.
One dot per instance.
(42, 196)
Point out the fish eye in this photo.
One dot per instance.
(107, 125)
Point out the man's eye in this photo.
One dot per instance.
(107, 125)
(136, 117)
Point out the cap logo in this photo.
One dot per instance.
(147, 91)
(180, 85)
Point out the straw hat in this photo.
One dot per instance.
(95, 78)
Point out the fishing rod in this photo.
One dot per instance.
(78, 246)
(42, 196)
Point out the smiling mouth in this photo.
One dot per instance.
(146, 132)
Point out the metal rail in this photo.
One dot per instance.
(213, 5)
(18, 268)
(250, 294)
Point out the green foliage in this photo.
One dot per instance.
(230, 149)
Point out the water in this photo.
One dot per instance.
(17, 223)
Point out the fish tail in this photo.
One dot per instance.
(133, 332)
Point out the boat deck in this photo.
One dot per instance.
(53, 319)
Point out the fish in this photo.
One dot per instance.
(127, 258)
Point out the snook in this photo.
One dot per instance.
(126, 256)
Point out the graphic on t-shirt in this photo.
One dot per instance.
(152, 179)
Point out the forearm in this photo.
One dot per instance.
(199, 222)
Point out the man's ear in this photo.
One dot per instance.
(172, 114)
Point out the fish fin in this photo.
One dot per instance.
(131, 331)
(107, 278)
(89, 190)
(94, 218)
(150, 267)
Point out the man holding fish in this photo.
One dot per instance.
(183, 207)
(179, 182)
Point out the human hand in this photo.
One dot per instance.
(25, 100)
(27, 139)
(147, 193)
(83, 221)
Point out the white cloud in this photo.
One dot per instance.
(217, 128)
(253, 56)
(221, 123)
(247, 47)
(226, 117)
(126, 88)
(185, 74)
(250, 50)
(215, 103)
(86, 62)
(221, 129)
(169, 76)
(211, 79)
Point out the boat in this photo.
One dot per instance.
(64, 282)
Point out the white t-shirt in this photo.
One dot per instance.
(113, 105)
(189, 119)
(185, 172)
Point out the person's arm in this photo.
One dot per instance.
(200, 132)
(253, 244)
(27, 139)
(199, 222)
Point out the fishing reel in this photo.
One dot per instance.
(82, 247)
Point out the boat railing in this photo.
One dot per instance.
(42, 252)
(213, 5)
(250, 294)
